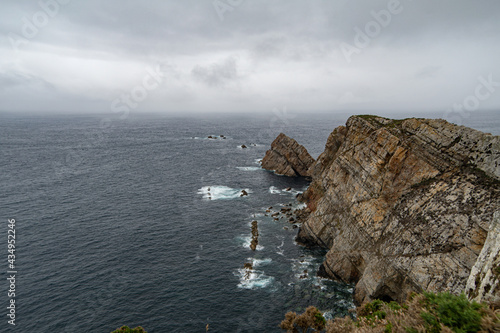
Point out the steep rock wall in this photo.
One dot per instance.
(402, 205)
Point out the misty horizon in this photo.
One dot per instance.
(244, 57)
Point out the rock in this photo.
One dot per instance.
(295, 226)
(243, 146)
(255, 236)
(248, 268)
(291, 220)
(484, 280)
(243, 193)
(287, 157)
(405, 205)
(275, 214)
(288, 189)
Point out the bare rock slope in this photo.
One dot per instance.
(287, 157)
(405, 205)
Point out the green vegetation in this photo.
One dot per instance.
(394, 123)
(310, 321)
(126, 329)
(428, 312)
(455, 312)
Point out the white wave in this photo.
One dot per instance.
(280, 248)
(245, 242)
(253, 279)
(258, 161)
(218, 192)
(285, 191)
(274, 190)
(249, 168)
(260, 262)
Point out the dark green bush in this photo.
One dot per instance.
(455, 312)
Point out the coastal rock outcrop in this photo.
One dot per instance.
(287, 157)
(404, 205)
(484, 280)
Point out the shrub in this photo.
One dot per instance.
(428, 312)
(455, 312)
(126, 329)
(310, 319)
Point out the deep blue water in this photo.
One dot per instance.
(114, 225)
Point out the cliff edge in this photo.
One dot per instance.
(406, 205)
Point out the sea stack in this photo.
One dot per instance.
(287, 157)
(406, 205)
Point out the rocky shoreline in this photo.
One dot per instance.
(401, 205)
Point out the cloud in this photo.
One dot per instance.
(262, 55)
(217, 74)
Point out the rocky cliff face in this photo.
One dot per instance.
(287, 157)
(484, 280)
(403, 205)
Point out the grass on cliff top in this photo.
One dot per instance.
(126, 329)
(392, 124)
(428, 312)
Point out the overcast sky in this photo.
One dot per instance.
(249, 55)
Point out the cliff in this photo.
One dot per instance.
(406, 205)
(287, 157)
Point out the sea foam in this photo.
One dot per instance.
(252, 168)
(253, 279)
(219, 192)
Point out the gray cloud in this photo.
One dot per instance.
(261, 55)
(217, 74)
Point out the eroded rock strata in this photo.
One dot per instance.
(287, 157)
(405, 205)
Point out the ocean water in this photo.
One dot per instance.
(140, 221)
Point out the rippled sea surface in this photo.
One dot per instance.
(140, 221)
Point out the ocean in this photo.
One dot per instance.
(140, 221)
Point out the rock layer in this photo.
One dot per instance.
(402, 205)
(287, 157)
(484, 280)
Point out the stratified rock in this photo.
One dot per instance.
(255, 236)
(484, 280)
(287, 157)
(403, 205)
